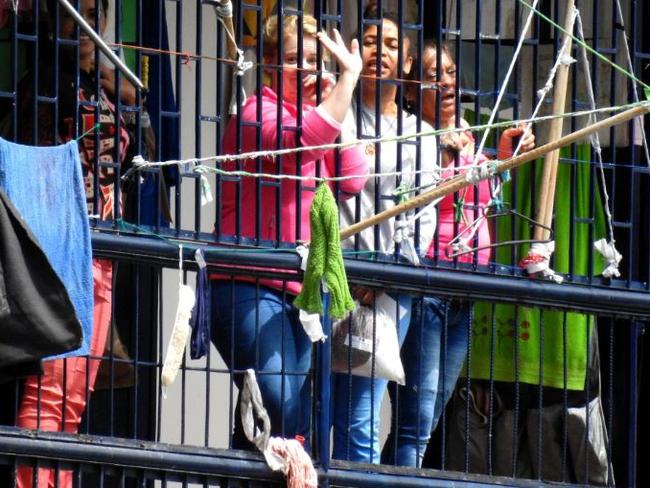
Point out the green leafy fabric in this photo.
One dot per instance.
(521, 340)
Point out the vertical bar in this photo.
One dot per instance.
(179, 98)
(324, 350)
(117, 211)
(279, 125)
(198, 95)
(633, 403)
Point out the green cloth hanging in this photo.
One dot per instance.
(325, 261)
(543, 338)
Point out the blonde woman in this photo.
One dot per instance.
(254, 323)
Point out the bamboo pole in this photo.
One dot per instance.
(546, 196)
(459, 182)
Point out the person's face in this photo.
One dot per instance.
(390, 46)
(87, 9)
(445, 82)
(291, 75)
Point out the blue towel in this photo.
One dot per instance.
(46, 187)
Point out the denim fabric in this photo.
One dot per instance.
(356, 406)
(253, 327)
(46, 187)
(433, 355)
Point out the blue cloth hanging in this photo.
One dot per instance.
(46, 187)
(161, 104)
(200, 321)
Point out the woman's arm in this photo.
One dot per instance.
(338, 101)
(353, 163)
(507, 143)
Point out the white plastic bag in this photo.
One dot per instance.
(365, 343)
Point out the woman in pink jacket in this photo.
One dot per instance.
(254, 323)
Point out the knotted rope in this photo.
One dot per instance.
(286, 455)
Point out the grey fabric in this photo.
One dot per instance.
(37, 318)
(541, 451)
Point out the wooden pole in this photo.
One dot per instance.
(546, 196)
(459, 182)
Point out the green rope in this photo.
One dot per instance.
(325, 262)
(582, 43)
(94, 127)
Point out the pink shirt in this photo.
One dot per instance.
(447, 229)
(316, 130)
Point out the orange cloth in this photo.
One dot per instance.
(47, 412)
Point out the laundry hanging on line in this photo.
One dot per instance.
(37, 318)
(46, 187)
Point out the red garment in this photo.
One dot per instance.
(447, 229)
(42, 402)
(316, 130)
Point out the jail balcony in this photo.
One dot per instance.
(411, 252)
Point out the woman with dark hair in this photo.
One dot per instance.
(436, 343)
(386, 54)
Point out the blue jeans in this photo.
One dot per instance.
(356, 406)
(433, 355)
(253, 327)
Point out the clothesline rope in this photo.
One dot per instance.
(140, 164)
(189, 56)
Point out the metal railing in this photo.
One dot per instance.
(134, 435)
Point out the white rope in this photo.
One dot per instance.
(139, 163)
(608, 251)
(506, 80)
(224, 11)
(634, 88)
(612, 257)
(478, 173)
(563, 58)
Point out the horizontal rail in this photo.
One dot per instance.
(127, 453)
(470, 285)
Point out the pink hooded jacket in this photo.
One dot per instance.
(317, 129)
